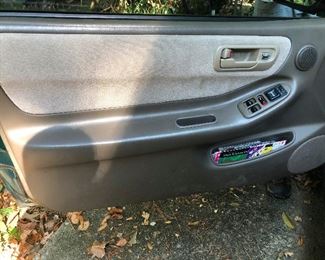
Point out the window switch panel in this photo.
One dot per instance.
(255, 108)
(262, 101)
(282, 90)
(272, 94)
(250, 102)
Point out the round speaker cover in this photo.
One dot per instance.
(306, 58)
(308, 156)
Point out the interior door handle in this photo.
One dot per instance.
(232, 63)
(245, 58)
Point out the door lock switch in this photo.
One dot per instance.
(273, 94)
(266, 55)
(255, 108)
(262, 100)
(250, 102)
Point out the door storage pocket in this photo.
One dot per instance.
(252, 149)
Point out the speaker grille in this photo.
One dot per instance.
(308, 155)
(306, 58)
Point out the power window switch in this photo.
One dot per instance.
(254, 108)
(282, 90)
(250, 102)
(262, 100)
(272, 94)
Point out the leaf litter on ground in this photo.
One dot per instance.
(77, 218)
(300, 241)
(24, 230)
(133, 238)
(97, 249)
(122, 242)
(112, 213)
(146, 217)
(287, 221)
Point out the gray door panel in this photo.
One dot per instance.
(70, 155)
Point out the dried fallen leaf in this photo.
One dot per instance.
(122, 242)
(103, 223)
(155, 234)
(25, 233)
(24, 248)
(98, 249)
(193, 223)
(50, 225)
(102, 226)
(287, 221)
(115, 213)
(34, 237)
(26, 229)
(288, 254)
(27, 226)
(75, 217)
(46, 237)
(168, 222)
(300, 241)
(234, 204)
(31, 217)
(84, 225)
(133, 238)
(149, 245)
(298, 219)
(146, 217)
(162, 214)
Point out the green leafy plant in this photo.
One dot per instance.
(162, 7)
(4, 212)
(14, 233)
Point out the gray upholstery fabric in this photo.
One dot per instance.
(57, 73)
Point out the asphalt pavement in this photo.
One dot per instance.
(237, 223)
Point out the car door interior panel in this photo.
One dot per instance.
(99, 112)
(90, 72)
